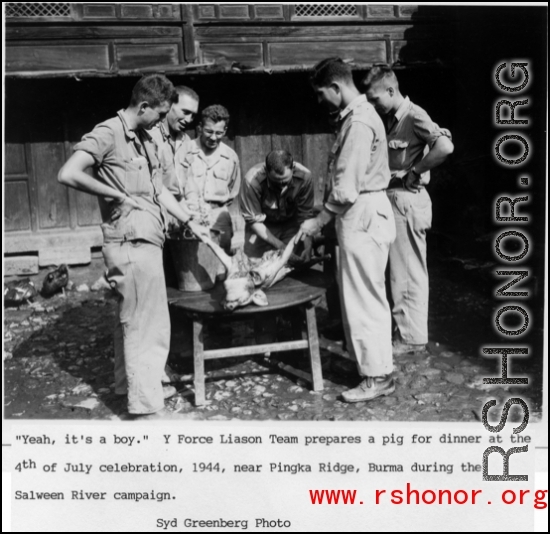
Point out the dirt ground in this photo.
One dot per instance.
(58, 362)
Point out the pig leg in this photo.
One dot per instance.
(289, 249)
(280, 267)
(281, 273)
(222, 255)
(284, 269)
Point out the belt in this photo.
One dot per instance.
(396, 183)
(216, 204)
(369, 192)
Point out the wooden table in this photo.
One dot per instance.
(296, 290)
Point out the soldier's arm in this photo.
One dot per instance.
(437, 139)
(440, 147)
(262, 231)
(179, 211)
(306, 198)
(251, 210)
(234, 181)
(304, 202)
(350, 167)
(249, 200)
(73, 174)
(440, 151)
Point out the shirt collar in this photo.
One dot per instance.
(219, 153)
(402, 109)
(165, 131)
(163, 127)
(358, 100)
(138, 134)
(129, 133)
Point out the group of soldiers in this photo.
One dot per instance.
(145, 165)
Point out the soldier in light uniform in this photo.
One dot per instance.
(211, 172)
(173, 143)
(416, 145)
(365, 227)
(171, 137)
(133, 202)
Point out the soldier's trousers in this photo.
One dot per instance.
(365, 232)
(408, 266)
(142, 323)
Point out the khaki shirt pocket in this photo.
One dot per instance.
(196, 173)
(137, 177)
(197, 168)
(220, 185)
(397, 154)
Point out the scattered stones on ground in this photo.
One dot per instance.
(88, 404)
(82, 389)
(62, 365)
(455, 378)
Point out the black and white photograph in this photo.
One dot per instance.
(274, 213)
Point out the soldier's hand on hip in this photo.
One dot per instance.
(123, 208)
(411, 182)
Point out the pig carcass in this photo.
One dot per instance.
(247, 278)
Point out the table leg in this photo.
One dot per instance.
(314, 354)
(265, 329)
(198, 357)
(299, 325)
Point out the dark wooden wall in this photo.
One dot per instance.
(109, 39)
(70, 66)
(45, 118)
(453, 82)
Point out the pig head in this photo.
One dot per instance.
(245, 279)
(240, 292)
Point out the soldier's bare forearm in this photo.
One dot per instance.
(73, 174)
(173, 206)
(442, 148)
(261, 230)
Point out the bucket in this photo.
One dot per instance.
(196, 266)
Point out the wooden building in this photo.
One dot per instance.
(70, 66)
